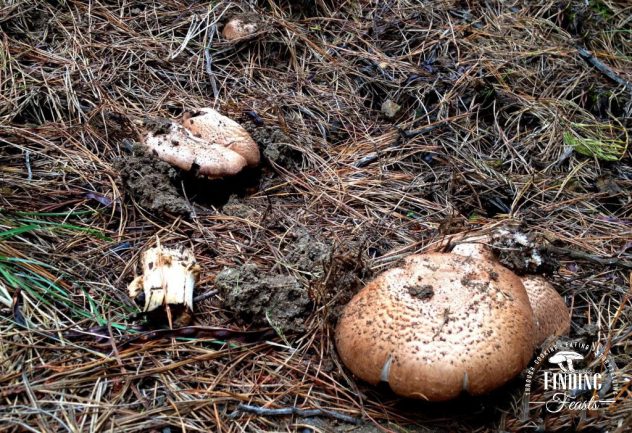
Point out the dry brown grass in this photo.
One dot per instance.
(499, 82)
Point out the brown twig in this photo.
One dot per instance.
(604, 69)
(305, 413)
(581, 255)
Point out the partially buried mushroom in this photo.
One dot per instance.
(474, 247)
(164, 291)
(212, 127)
(552, 317)
(440, 325)
(207, 143)
(177, 146)
(238, 28)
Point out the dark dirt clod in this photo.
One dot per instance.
(264, 300)
(276, 145)
(151, 182)
(308, 255)
(157, 125)
(423, 292)
(344, 275)
(523, 253)
(239, 208)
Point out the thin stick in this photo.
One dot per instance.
(604, 69)
(305, 413)
(208, 58)
(574, 254)
(204, 296)
(27, 162)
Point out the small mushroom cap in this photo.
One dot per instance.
(178, 147)
(236, 29)
(552, 317)
(439, 325)
(211, 126)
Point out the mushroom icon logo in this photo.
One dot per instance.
(565, 356)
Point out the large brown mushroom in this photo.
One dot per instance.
(439, 325)
(213, 127)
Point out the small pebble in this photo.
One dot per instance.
(390, 108)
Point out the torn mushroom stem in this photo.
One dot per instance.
(168, 279)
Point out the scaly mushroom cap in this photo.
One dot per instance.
(238, 29)
(215, 128)
(552, 317)
(439, 325)
(178, 147)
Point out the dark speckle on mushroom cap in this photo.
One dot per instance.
(473, 334)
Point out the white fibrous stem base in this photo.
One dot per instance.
(169, 277)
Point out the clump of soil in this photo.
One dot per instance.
(276, 145)
(424, 292)
(325, 277)
(309, 255)
(344, 275)
(151, 182)
(236, 207)
(523, 253)
(264, 300)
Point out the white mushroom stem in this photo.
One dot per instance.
(169, 276)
